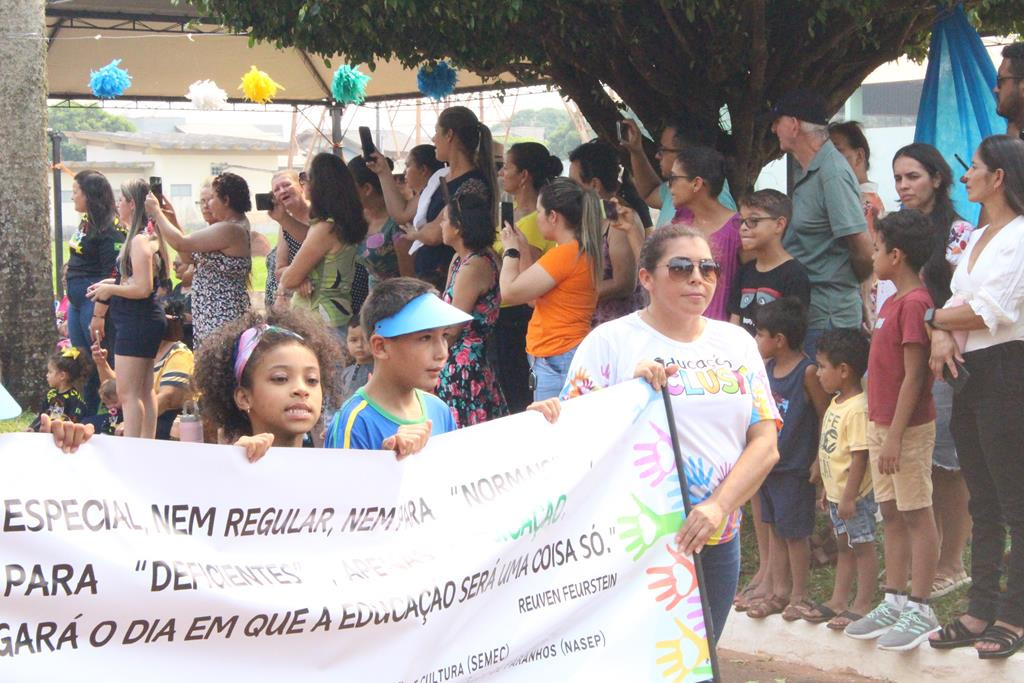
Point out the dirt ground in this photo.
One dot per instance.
(738, 667)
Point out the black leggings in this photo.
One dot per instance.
(988, 428)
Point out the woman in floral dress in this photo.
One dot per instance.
(468, 383)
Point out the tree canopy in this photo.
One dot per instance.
(684, 60)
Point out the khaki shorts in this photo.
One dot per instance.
(911, 487)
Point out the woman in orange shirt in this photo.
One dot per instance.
(562, 284)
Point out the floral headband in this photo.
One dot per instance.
(249, 340)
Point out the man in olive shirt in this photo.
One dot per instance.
(828, 231)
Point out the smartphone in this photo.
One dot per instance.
(156, 185)
(264, 201)
(367, 141)
(962, 376)
(620, 131)
(611, 211)
(507, 216)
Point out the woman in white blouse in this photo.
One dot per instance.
(979, 338)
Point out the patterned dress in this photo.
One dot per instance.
(219, 291)
(468, 383)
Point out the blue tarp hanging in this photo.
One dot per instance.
(958, 109)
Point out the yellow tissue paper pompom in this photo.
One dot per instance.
(259, 87)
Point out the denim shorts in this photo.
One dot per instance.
(859, 529)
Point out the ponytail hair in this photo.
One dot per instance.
(476, 142)
(598, 159)
(535, 159)
(581, 209)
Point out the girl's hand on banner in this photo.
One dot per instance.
(655, 373)
(550, 408)
(698, 527)
(67, 436)
(256, 446)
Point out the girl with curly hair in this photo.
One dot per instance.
(264, 379)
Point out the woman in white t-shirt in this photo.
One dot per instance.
(726, 417)
(986, 312)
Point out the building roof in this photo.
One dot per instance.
(179, 141)
(140, 164)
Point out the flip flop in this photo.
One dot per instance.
(953, 635)
(836, 623)
(743, 599)
(824, 613)
(1008, 642)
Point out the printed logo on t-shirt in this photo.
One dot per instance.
(878, 323)
(783, 404)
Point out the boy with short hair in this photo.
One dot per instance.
(773, 273)
(901, 436)
(842, 359)
(406, 325)
(787, 494)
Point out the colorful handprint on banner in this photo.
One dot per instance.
(642, 530)
(658, 460)
(678, 665)
(675, 581)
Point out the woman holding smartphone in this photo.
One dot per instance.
(135, 311)
(221, 253)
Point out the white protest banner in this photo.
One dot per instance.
(515, 550)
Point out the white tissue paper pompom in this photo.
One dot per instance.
(206, 95)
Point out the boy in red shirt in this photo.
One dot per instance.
(901, 436)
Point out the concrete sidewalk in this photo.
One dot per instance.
(830, 651)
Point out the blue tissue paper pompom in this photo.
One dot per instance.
(109, 82)
(438, 81)
(349, 85)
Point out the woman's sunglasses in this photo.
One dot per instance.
(681, 268)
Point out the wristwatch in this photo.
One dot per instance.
(512, 253)
(929, 319)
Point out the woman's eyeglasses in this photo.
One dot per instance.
(681, 268)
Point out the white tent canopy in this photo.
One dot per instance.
(166, 47)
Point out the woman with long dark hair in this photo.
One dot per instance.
(93, 251)
(468, 383)
(923, 180)
(596, 165)
(466, 145)
(135, 311)
(987, 304)
(562, 283)
(222, 254)
(529, 166)
(324, 269)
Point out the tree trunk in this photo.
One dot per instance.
(27, 327)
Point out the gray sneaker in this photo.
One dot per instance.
(877, 622)
(910, 631)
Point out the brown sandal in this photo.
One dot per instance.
(840, 621)
(766, 607)
(795, 611)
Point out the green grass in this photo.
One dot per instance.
(823, 578)
(18, 424)
(259, 265)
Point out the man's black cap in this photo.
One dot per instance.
(805, 105)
